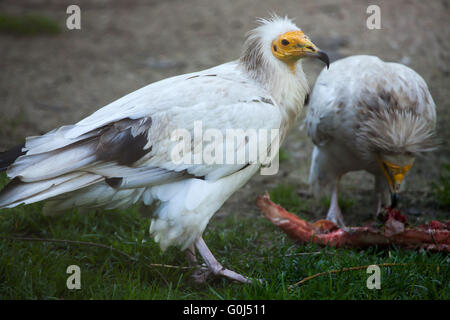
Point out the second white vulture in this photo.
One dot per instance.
(123, 153)
(366, 114)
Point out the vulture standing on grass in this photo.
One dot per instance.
(122, 154)
(366, 114)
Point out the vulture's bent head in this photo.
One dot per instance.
(394, 132)
(278, 43)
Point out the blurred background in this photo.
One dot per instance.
(51, 76)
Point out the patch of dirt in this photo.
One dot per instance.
(47, 81)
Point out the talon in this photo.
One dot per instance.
(214, 266)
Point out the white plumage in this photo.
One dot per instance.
(366, 114)
(121, 154)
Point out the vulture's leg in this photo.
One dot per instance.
(190, 255)
(379, 207)
(382, 194)
(334, 212)
(201, 272)
(214, 266)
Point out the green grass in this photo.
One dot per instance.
(28, 25)
(442, 188)
(284, 155)
(344, 203)
(248, 243)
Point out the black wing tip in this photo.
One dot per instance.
(8, 157)
(114, 182)
(5, 193)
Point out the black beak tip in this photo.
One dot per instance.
(322, 55)
(394, 200)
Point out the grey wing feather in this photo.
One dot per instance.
(115, 147)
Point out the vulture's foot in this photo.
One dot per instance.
(335, 215)
(201, 274)
(213, 267)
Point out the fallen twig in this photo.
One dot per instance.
(344, 270)
(295, 254)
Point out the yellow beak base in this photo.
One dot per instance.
(393, 173)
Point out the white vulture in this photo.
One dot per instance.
(122, 154)
(366, 114)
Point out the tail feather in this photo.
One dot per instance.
(94, 196)
(17, 192)
(8, 157)
(49, 165)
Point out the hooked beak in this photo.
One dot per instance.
(395, 188)
(294, 45)
(321, 55)
(394, 200)
(394, 175)
(309, 49)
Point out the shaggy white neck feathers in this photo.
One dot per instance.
(288, 87)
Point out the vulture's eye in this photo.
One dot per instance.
(284, 42)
